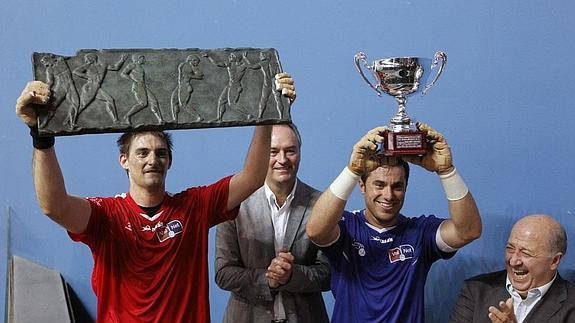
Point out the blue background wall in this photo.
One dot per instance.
(505, 104)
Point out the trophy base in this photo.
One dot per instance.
(404, 143)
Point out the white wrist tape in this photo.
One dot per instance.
(454, 186)
(344, 184)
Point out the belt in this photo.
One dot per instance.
(279, 321)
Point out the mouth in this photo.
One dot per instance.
(519, 274)
(384, 205)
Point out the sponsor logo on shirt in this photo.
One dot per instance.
(382, 241)
(401, 253)
(169, 231)
(360, 248)
(154, 228)
(97, 200)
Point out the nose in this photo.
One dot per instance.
(515, 259)
(153, 158)
(387, 193)
(281, 157)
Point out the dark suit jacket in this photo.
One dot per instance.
(245, 248)
(480, 292)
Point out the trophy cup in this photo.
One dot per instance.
(401, 77)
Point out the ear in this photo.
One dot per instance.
(124, 161)
(556, 260)
(361, 186)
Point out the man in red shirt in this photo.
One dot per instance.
(149, 246)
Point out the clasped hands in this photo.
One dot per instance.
(280, 269)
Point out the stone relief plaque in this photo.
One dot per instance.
(119, 90)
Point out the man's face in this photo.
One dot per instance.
(384, 193)
(147, 161)
(284, 157)
(528, 258)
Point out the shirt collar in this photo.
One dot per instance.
(534, 292)
(271, 198)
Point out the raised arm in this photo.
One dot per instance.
(71, 212)
(322, 226)
(253, 174)
(464, 224)
(118, 64)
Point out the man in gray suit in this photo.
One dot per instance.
(264, 257)
(536, 245)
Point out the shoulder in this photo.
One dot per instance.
(305, 189)
(496, 278)
(221, 184)
(98, 201)
(425, 219)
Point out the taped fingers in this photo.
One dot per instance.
(37, 92)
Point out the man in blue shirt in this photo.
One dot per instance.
(380, 258)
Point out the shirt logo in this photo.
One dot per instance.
(400, 253)
(382, 241)
(169, 231)
(360, 248)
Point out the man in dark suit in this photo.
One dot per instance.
(264, 257)
(536, 245)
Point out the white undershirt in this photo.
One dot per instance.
(280, 216)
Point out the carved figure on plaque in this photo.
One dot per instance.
(94, 73)
(267, 85)
(144, 96)
(59, 79)
(182, 94)
(236, 67)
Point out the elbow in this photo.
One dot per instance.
(219, 280)
(311, 231)
(472, 233)
(314, 232)
(476, 232)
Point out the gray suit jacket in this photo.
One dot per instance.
(245, 248)
(480, 292)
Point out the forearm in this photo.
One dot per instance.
(249, 283)
(48, 180)
(253, 174)
(69, 211)
(322, 226)
(466, 219)
(464, 225)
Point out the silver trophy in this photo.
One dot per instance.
(401, 77)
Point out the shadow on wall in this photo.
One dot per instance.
(481, 256)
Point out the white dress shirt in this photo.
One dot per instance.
(280, 216)
(521, 306)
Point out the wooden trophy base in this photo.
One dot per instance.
(404, 143)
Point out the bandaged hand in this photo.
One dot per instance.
(35, 93)
(364, 158)
(437, 158)
(284, 83)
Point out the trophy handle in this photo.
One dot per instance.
(363, 58)
(438, 55)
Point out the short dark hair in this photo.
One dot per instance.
(125, 140)
(400, 162)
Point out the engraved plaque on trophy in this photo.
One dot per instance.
(119, 90)
(401, 77)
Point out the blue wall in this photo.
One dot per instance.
(504, 103)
